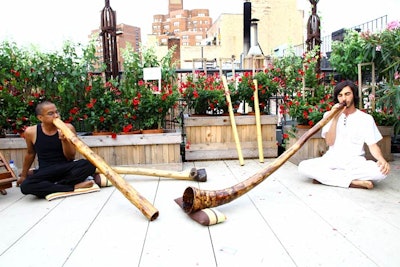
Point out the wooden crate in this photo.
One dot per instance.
(385, 144)
(136, 149)
(211, 137)
(314, 147)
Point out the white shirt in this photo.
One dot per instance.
(351, 134)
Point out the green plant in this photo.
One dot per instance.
(154, 104)
(204, 94)
(389, 102)
(346, 55)
(384, 47)
(383, 118)
(309, 98)
(244, 90)
(308, 107)
(82, 96)
(103, 108)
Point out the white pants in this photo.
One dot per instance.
(333, 172)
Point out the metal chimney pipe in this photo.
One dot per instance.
(255, 49)
(254, 32)
(246, 27)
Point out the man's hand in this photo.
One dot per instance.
(61, 136)
(20, 180)
(384, 166)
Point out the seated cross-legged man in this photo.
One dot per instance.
(344, 164)
(58, 170)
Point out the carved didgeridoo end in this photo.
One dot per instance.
(199, 175)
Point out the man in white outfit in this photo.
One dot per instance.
(344, 164)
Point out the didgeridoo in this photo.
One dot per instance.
(233, 122)
(126, 189)
(194, 174)
(195, 199)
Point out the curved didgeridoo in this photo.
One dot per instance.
(126, 189)
(195, 199)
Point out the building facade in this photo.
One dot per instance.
(190, 26)
(199, 41)
(280, 24)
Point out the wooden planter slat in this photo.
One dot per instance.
(136, 149)
(211, 137)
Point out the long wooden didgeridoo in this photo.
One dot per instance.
(258, 122)
(199, 175)
(233, 122)
(129, 192)
(195, 199)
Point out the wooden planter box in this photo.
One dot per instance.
(385, 144)
(211, 137)
(132, 149)
(316, 146)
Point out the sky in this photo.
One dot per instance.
(48, 23)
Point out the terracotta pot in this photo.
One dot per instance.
(101, 133)
(302, 126)
(132, 132)
(152, 131)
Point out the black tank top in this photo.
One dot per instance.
(48, 148)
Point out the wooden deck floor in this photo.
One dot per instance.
(284, 221)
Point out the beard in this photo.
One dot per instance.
(349, 103)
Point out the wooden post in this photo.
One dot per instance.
(126, 189)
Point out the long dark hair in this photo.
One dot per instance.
(339, 87)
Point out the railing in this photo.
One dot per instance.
(374, 26)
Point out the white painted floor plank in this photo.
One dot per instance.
(284, 221)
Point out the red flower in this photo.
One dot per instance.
(91, 104)
(127, 128)
(16, 73)
(74, 110)
(135, 102)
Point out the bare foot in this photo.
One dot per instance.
(85, 184)
(361, 184)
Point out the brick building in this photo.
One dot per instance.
(190, 26)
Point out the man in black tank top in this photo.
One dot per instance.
(58, 170)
